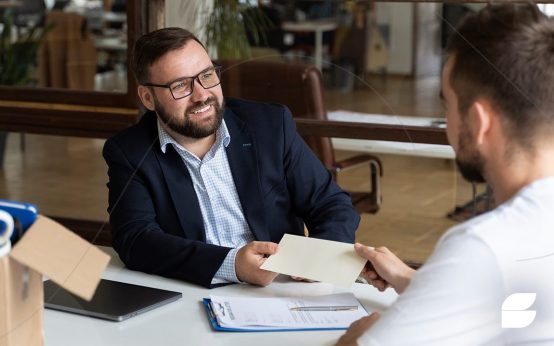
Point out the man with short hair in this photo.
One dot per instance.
(202, 188)
(498, 88)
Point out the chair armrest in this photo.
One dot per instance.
(375, 168)
(357, 160)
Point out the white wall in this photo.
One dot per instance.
(400, 18)
(185, 14)
(428, 50)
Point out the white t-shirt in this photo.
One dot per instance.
(456, 297)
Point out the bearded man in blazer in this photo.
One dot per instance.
(203, 187)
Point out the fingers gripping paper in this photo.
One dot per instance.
(316, 259)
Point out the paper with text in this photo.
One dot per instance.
(268, 313)
(316, 259)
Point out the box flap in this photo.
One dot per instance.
(63, 256)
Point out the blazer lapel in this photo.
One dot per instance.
(179, 185)
(242, 157)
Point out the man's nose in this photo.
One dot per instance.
(199, 94)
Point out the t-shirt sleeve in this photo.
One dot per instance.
(454, 299)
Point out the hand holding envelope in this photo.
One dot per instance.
(384, 268)
(316, 259)
(248, 260)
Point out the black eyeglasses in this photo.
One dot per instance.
(184, 86)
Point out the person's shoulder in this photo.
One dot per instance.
(258, 117)
(482, 226)
(522, 224)
(137, 136)
(246, 108)
(530, 210)
(141, 131)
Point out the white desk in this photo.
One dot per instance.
(316, 26)
(389, 147)
(185, 322)
(117, 44)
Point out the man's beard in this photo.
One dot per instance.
(189, 128)
(470, 163)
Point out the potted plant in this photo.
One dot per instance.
(17, 55)
(226, 23)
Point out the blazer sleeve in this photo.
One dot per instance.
(137, 236)
(325, 208)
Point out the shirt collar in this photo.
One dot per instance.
(222, 135)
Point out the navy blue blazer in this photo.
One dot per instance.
(155, 216)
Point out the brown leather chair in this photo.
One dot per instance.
(299, 87)
(68, 57)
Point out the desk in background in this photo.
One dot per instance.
(390, 147)
(316, 26)
(185, 322)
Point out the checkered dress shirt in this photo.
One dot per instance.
(222, 213)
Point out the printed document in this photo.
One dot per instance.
(245, 313)
(316, 259)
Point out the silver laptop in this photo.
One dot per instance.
(113, 300)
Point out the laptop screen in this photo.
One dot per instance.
(113, 300)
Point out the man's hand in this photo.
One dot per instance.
(249, 259)
(356, 330)
(385, 269)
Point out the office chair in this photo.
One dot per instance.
(299, 87)
(68, 56)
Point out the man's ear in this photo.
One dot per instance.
(146, 97)
(480, 114)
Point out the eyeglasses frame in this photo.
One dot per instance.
(217, 69)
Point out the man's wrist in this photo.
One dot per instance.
(404, 280)
(236, 273)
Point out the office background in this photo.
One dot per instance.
(66, 175)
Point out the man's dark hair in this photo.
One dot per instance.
(505, 53)
(152, 46)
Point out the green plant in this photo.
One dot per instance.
(226, 24)
(16, 56)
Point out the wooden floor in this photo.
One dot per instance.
(67, 176)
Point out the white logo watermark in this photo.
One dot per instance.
(514, 310)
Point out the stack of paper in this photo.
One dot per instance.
(278, 314)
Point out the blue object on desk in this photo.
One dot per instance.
(24, 215)
(6, 228)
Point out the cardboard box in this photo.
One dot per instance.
(49, 249)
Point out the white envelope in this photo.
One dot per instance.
(316, 259)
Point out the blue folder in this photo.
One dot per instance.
(217, 327)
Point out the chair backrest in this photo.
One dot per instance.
(68, 56)
(298, 86)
